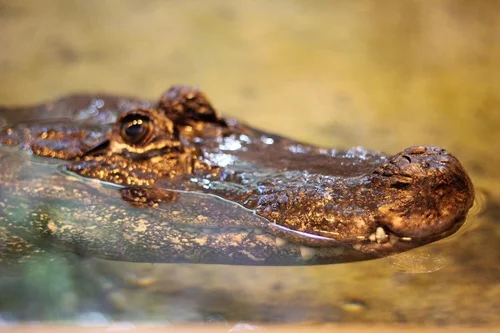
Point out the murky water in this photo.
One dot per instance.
(334, 73)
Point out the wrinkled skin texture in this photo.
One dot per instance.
(173, 181)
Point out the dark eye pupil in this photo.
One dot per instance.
(134, 130)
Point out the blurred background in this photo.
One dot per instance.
(380, 74)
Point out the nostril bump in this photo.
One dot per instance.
(417, 150)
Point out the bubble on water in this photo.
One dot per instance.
(354, 306)
(480, 202)
(431, 258)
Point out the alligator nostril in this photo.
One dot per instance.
(407, 158)
(400, 185)
(402, 161)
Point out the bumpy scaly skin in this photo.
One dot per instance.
(175, 182)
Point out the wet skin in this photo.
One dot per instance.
(172, 181)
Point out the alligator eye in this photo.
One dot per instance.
(137, 129)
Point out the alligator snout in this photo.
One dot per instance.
(427, 192)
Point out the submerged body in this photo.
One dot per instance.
(173, 181)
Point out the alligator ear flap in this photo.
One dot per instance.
(185, 105)
(100, 149)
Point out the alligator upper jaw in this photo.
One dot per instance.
(385, 242)
(419, 196)
(379, 243)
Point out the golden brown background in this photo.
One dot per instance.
(384, 74)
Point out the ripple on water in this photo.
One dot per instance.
(418, 262)
(431, 258)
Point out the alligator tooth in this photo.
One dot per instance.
(280, 242)
(380, 235)
(406, 239)
(372, 237)
(307, 253)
